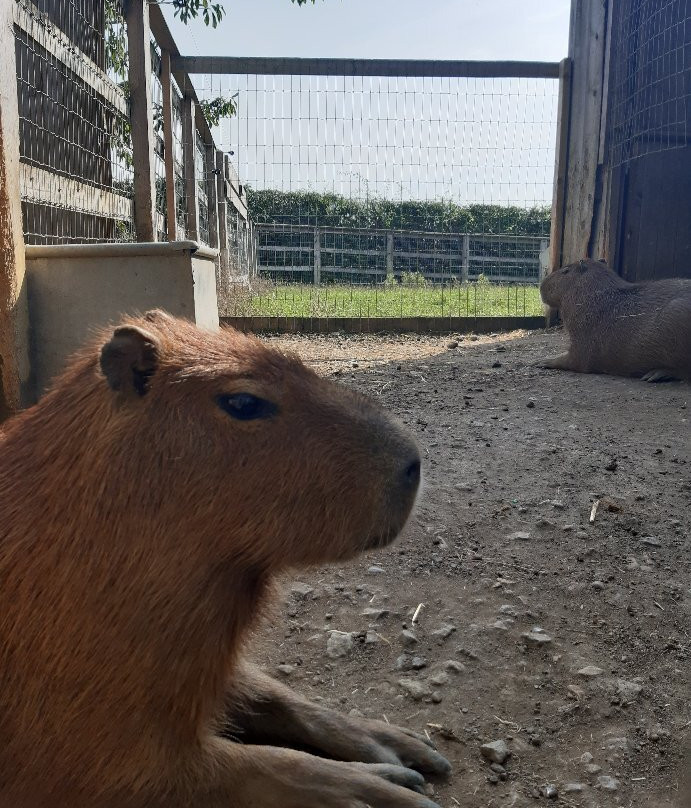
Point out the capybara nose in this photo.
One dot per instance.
(411, 476)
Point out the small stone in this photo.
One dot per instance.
(519, 535)
(507, 608)
(593, 768)
(444, 631)
(407, 638)
(372, 638)
(418, 663)
(575, 692)
(651, 541)
(496, 751)
(497, 768)
(301, 591)
(550, 792)
(496, 364)
(586, 757)
(437, 697)
(375, 614)
(598, 586)
(628, 691)
(403, 663)
(530, 404)
(451, 345)
(590, 671)
(454, 667)
(440, 679)
(573, 788)
(286, 670)
(607, 783)
(416, 690)
(375, 570)
(611, 466)
(339, 644)
(355, 713)
(536, 638)
(492, 779)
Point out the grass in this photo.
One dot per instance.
(469, 300)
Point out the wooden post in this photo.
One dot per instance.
(560, 165)
(389, 255)
(223, 264)
(171, 201)
(212, 192)
(317, 257)
(15, 388)
(465, 262)
(141, 119)
(189, 135)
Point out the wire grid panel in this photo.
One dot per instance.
(651, 87)
(202, 187)
(397, 182)
(74, 136)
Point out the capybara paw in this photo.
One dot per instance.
(659, 375)
(554, 363)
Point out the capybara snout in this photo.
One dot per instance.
(329, 471)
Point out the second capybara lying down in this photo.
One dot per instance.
(146, 504)
(621, 328)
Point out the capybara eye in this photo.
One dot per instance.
(246, 407)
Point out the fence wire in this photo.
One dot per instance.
(399, 186)
(651, 87)
(74, 134)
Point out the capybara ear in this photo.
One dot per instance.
(129, 360)
(155, 315)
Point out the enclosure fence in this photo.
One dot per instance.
(385, 188)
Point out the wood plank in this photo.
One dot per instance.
(141, 119)
(586, 50)
(168, 148)
(47, 188)
(37, 25)
(423, 68)
(560, 164)
(188, 149)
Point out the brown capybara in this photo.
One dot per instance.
(146, 504)
(621, 328)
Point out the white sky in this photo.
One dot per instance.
(465, 140)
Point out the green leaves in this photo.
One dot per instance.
(217, 108)
(186, 10)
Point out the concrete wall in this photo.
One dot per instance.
(74, 290)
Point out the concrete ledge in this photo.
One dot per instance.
(113, 250)
(375, 325)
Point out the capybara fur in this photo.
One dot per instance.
(621, 328)
(146, 504)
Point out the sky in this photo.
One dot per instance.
(486, 141)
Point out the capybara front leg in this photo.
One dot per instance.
(268, 777)
(561, 362)
(660, 375)
(272, 713)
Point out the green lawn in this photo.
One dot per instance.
(470, 300)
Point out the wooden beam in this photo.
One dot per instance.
(15, 370)
(560, 165)
(189, 138)
(141, 119)
(587, 52)
(211, 192)
(233, 65)
(47, 188)
(223, 257)
(168, 148)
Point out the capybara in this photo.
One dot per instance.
(621, 328)
(146, 504)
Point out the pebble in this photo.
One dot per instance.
(418, 663)
(439, 679)
(507, 608)
(573, 788)
(375, 614)
(550, 792)
(497, 768)
(598, 586)
(593, 768)
(372, 638)
(416, 690)
(586, 757)
(496, 751)
(437, 697)
(651, 541)
(628, 691)
(444, 631)
(375, 570)
(530, 404)
(407, 638)
(452, 345)
(607, 783)
(590, 671)
(301, 591)
(536, 638)
(519, 535)
(286, 670)
(492, 779)
(454, 667)
(339, 644)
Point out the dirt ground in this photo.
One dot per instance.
(566, 638)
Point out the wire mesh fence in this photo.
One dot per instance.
(378, 194)
(74, 136)
(651, 87)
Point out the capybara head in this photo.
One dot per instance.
(218, 436)
(570, 277)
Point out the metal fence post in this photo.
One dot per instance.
(141, 119)
(223, 264)
(389, 254)
(171, 201)
(212, 192)
(189, 132)
(317, 257)
(465, 259)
